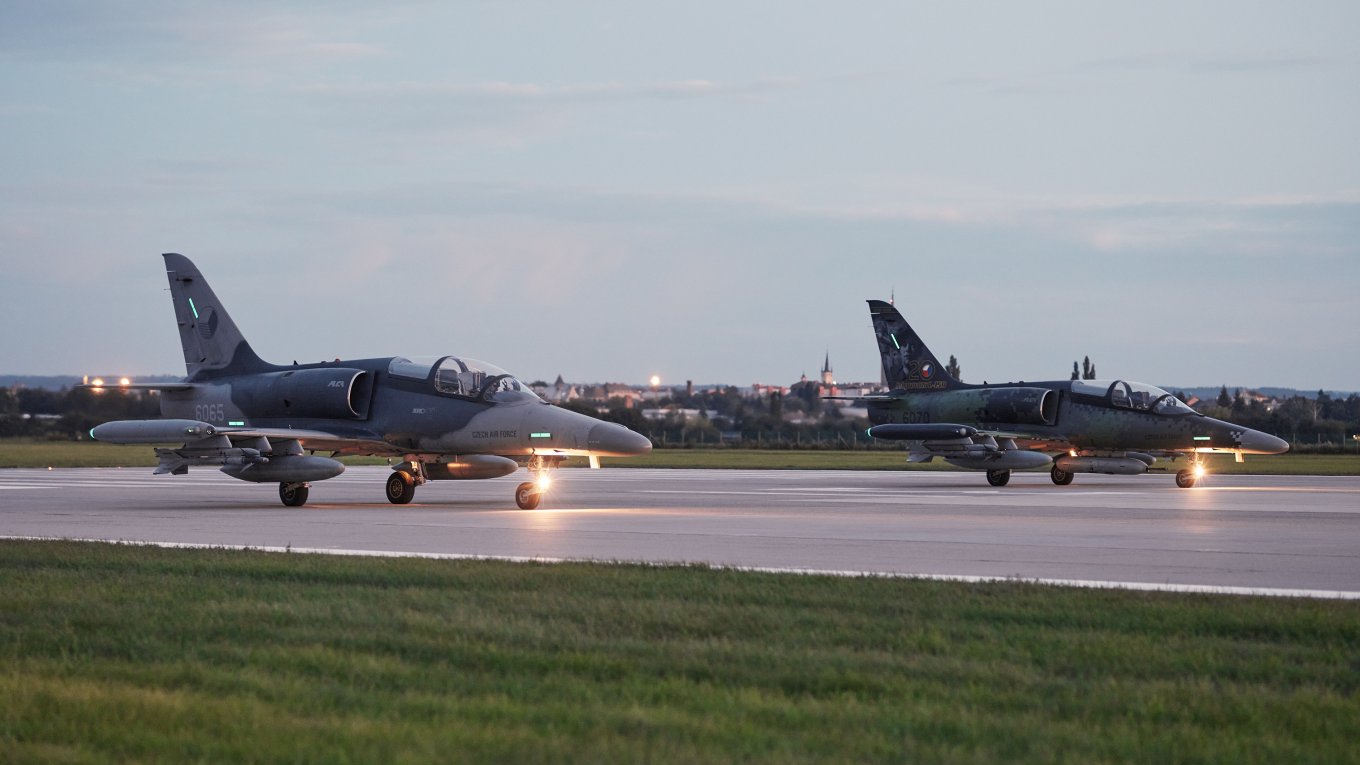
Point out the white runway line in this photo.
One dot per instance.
(1199, 589)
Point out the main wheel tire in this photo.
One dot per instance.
(998, 477)
(527, 496)
(401, 487)
(1185, 479)
(293, 494)
(1060, 476)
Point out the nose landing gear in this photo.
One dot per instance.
(529, 494)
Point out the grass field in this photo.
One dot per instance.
(120, 653)
(24, 453)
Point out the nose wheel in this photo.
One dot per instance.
(527, 495)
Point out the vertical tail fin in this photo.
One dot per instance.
(213, 346)
(907, 362)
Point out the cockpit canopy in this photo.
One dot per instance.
(1139, 397)
(464, 378)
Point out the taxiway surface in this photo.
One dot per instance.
(1294, 533)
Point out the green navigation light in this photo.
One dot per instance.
(191, 308)
(237, 423)
(1202, 438)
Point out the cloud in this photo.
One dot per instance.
(533, 92)
(1198, 64)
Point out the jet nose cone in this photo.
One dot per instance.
(1256, 442)
(609, 440)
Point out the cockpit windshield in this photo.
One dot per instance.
(1133, 395)
(465, 378)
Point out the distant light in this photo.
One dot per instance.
(656, 380)
(124, 381)
(98, 382)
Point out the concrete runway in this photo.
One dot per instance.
(1276, 533)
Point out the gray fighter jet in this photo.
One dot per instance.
(1093, 426)
(445, 418)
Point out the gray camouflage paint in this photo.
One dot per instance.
(1049, 416)
(354, 406)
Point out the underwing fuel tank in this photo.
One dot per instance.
(1106, 465)
(469, 467)
(1011, 459)
(295, 468)
(151, 431)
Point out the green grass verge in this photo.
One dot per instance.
(30, 453)
(119, 653)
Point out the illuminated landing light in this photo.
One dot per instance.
(543, 482)
(1199, 471)
(123, 381)
(98, 382)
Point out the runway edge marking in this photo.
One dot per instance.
(1096, 584)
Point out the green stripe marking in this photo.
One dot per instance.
(1201, 438)
(895, 343)
(540, 435)
(192, 308)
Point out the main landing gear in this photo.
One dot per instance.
(293, 494)
(998, 477)
(401, 486)
(1060, 477)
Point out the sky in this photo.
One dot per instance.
(703, 191)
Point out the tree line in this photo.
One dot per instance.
(1319, 422)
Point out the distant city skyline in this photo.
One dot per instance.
(709, 191)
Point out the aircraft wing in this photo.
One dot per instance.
(200, 435)
(320, 440)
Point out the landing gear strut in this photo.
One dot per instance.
(998, 477)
